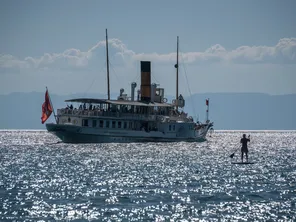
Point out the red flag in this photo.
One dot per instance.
(46, 108)
(207, 102)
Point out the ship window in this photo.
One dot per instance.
(174, 128)
(130, 125)
(94, 123)
(119, 124)
(107, 124)
(170, 127)
(85, 122)
(101, 123)
(113, 124)
(124, 125)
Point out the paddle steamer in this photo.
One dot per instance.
(144, 116)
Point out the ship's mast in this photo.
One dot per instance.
(107, 55)
(177, 73)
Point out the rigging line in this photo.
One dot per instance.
(94, 79)
(96, 76)
(193, 105)
(137, 76)
(112, 67)
(153, 77)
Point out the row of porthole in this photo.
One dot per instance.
(120, 139)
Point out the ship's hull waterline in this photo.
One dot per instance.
(78, 134)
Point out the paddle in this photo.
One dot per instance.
(232, 155)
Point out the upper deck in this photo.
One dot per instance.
(154, 115)
(123, 109)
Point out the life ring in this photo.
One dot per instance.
(164, 100)
(75, 121)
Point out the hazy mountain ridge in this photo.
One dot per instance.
(229, 111)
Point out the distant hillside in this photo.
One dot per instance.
(247, 111)
(229, 111)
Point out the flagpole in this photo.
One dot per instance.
(52, 106)
(208, 107)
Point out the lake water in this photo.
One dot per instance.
(41, 179)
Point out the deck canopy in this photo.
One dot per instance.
(118, 102)
(87, 100)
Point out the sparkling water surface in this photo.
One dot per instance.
(41, 179)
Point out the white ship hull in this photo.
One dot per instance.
(77, 134)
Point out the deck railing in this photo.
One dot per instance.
(130, 116)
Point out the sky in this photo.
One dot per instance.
(225, 46)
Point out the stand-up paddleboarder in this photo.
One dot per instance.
(244, 141)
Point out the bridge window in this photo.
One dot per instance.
(113, 124)
(119, 124)
(94, 123)
(101, 123)
(107, 124)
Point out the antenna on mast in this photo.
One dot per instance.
(177, 74)
(107, 55)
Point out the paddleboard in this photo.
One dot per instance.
(242, 162)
